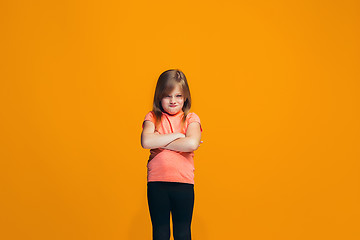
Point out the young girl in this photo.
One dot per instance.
(172, 134)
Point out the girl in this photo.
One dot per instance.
(172, 134)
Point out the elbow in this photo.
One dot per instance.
(194, 145)
(144, 144)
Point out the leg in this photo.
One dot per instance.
(159, 208)
(182, 204)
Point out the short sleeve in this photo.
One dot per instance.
(149, 117)
(192, 117)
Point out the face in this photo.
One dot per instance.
(174, 101)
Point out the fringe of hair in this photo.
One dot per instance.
(165, 84)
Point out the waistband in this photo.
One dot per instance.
(169, 183)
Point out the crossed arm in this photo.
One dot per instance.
(172, 141)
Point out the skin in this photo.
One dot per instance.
(188, 142)
(174, 102)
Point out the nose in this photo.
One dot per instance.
(172, 99)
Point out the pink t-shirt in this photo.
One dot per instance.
(167, 165)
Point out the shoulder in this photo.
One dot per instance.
(150, 114)
(193, 117)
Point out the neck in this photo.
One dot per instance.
(178, 113)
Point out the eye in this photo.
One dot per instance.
(178, 95)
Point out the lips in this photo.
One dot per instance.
(173, 105)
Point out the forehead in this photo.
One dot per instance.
(175, 89)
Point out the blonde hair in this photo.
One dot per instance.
(165, 84)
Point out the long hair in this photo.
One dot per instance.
(165, 84)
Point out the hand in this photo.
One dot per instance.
(181, 135)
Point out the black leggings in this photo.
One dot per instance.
(174, 197)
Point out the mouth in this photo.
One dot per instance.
(173, 105)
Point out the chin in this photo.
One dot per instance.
(173, 111)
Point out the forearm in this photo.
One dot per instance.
(153, 140)
(186, 144)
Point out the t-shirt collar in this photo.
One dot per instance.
(177, 114)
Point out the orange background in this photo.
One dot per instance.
(275, 83)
